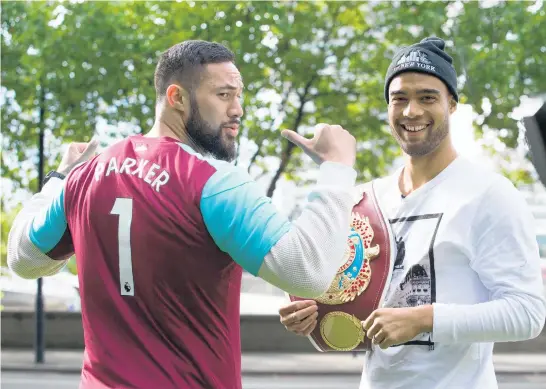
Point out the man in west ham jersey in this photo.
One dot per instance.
(162, 226)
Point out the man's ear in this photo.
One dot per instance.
(177, 97)
(452, 104)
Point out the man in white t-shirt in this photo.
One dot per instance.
(467, 272)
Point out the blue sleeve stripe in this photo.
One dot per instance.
(242, 221)
(49, 226)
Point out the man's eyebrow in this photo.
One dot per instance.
(428, 91)
(397, 93)
(231, 86)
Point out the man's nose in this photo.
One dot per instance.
(236, 109)
(413, 109)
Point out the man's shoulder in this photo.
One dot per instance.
(215, 164)
(492, 192)
(379, 185)
(475, 169)
(481, 178)
(223, 175)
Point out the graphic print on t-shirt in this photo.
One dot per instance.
(413, 280)
(400, 254)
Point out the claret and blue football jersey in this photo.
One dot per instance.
(161, 236)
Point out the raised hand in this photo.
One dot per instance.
(329, 143)
(76, 154)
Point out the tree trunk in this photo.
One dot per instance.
(285, 158)
(260, 144)
(287, 152)
(255, 155)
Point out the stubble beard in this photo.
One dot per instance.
(212, 140)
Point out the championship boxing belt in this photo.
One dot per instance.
(535, 134)
(360, 283)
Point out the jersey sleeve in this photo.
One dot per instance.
(300, 256)
(39, 242)
(240, 218)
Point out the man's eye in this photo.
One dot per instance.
(429, 99)
(223, 95)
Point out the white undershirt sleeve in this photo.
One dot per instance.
(24, 258)
(305, 260)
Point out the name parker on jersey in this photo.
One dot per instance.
(142, 170)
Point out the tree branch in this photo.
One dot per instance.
(258, 152)
(287, 152)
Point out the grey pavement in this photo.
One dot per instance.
(42, 380)
(265, 363)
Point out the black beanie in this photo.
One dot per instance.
(427, 56)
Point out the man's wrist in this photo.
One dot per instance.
(336, 174)
(54, 173)
(425, 316)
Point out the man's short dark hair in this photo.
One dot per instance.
(184, 62)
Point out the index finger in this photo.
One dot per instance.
(79, 146)
(89, 150)
(366, 324)
(296, 306)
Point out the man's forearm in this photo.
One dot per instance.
(24, 258)
(306, 259)
(511, 318)
(425, 317)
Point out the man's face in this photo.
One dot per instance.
(216, 111)
(419, 109)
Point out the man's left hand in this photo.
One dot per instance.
(391, 326)
(76, 154)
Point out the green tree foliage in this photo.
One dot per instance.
(5, 224)
(67, 65)
(62, 69)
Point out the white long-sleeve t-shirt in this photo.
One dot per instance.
(465, 243)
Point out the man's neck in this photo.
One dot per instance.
(166, 126)
(420, 170)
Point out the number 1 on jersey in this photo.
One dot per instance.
(124, 208)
